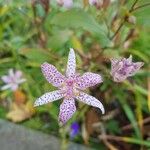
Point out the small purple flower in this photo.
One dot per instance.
(12, 80)
(123, 68)
(96, 3)
(65, 3)
(70, 87)
(74, 129)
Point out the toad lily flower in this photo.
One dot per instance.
(70, 87)
(12, 80)
(123, 68)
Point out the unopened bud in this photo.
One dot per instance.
(131, 19)
(96, 3)
(65, 3)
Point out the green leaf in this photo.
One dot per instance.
(140, 54)
(130, 115)
(4, 10)
(141, 90)
(77, 18)
(58, 39)
(113, 127)
(137, 141)
(2, 112)
(40, 11)
(34, 123)
(36, 55)
(143, 17)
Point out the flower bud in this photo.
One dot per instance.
(131, 19)
(96, 3)
(65, 3)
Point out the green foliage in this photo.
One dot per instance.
(2, 112)
(80, 19)
(113, 127)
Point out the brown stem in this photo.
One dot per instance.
(109, 145)
(119, 28)
(123, 21)
(38, 23)
(111, 137)
(128, 127)
(105, 141)
(132, 7)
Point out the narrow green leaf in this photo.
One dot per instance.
(136, 141)
(129, 113)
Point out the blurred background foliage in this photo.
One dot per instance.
(32, 32)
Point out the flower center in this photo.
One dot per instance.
(69, 88)
(69, 83)
(13, 80)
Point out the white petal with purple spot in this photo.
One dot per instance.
(67, 109)
(90, 100)
(88, 79)
(136, 68)
(49, 97)
(52, 75)
(71, 65)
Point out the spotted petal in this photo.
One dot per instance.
(88, 79)
(52, 75)
(71, 65)
(49, 97)
(135, 67)
(90, 100)
(114, 61)
(119, 77)
(116, 65)
(67, 109)
(6, 79)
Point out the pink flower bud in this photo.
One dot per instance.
(96, 3)
(65, 3)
